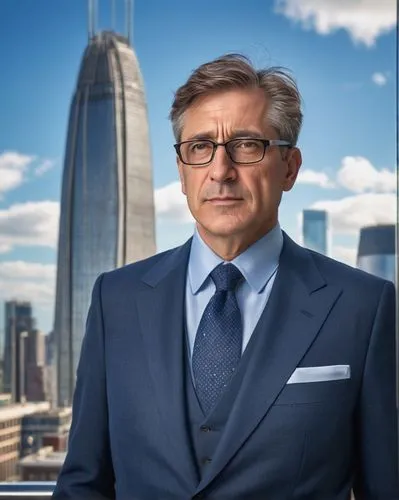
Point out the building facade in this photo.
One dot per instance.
(49, 428)
(107, 207)
(44, 465)
(376, 251)
(11, 417)
(315, 230)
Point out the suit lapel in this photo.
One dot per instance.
(160, 309)
(298, 305)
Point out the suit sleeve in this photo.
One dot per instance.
(376, 416)
(87, 472)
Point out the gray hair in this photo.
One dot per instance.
(233, 71)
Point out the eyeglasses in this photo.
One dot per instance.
(243, 151)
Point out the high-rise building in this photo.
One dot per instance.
(49, 348)
(376, 251)
(19, 322)
(36, 376)
(315, 230)
(51, 368)
(36, 348)
(107, 206)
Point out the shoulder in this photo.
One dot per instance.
(139, 274)
(348, 277)
(344, 273)
(318, 270)
(134, 272)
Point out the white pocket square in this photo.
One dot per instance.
(320, 374)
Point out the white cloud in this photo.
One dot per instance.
(358, 175)
(10, 179)
(345, 254)
(20, 280)
(349, 214)
(14, 168)
(12, 159)
(44, 167)
(171, 204)
(29, 224)
(364, 20)
(5, 247)
(13, 165)
(320, 179)
(379, 79)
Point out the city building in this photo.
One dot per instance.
(48, 428)
(376, 251)
(18, 323)
(51, 368)
(25, 376)
(49, 348)
(44, 465)
(315, 230)
(107, 206)
(10, 436)
(36, 348)
(37, 383)
(36, 371)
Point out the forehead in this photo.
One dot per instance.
(224, 112)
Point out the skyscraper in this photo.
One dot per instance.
(315, 230)
(107, 207)
(376, 251)
(19, 322)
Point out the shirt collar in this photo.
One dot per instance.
(257, 264)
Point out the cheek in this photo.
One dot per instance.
(266, 188)
(193, 183)
(258, 186)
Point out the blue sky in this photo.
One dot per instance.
(341, 53)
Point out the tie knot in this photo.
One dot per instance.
(226, 277)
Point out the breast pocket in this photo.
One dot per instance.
(331, 392)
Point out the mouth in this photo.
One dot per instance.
(225, 200)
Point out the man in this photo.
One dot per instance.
(239, 365)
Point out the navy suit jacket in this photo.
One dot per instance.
(313, 441)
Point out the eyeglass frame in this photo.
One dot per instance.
(266, 143)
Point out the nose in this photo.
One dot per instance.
(222, 168)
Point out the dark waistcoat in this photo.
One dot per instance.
(206, 430)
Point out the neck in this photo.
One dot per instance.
(231, 246)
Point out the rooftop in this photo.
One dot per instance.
(54, 412)
(45, 457)
(20, 410)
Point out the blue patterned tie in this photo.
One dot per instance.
(218, 343)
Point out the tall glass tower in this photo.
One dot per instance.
(315, 230)
(376, 252)
(107, 206)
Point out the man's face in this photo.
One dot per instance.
(227, 199)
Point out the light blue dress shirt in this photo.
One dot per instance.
(258, 264)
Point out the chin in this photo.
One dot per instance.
(223, 226)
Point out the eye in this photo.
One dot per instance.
(247, 144)
(200, 146)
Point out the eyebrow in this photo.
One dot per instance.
(208, 135)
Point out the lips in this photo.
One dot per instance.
(223, 201)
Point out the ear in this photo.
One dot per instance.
(294, 162)
(181, 170)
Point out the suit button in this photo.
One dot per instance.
(205, 428)
(206, 460)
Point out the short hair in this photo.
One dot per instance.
(234, 71)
